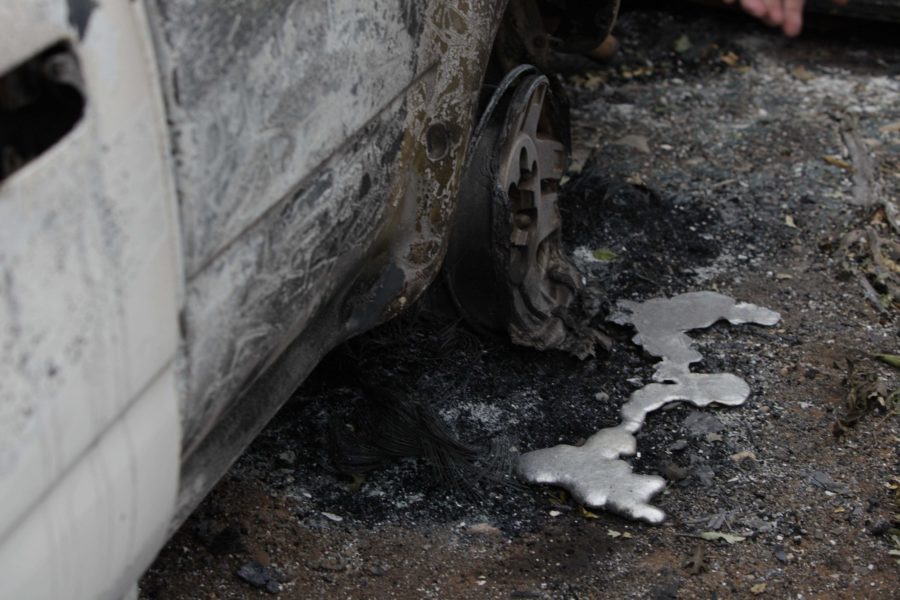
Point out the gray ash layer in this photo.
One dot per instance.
(594, 473)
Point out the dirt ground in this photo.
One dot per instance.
(713, 154)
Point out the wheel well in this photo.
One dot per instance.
(531, 29)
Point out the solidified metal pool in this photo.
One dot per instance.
(594, 473)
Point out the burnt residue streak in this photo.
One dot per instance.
(365, 185)
(411, 17)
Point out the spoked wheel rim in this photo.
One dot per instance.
(505, 266)
(532, 165)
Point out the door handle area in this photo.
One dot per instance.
(41, 100)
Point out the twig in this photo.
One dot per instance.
(892, 214)
(691, 535)
(869, 292)
(864, 187)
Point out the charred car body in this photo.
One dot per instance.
(200, 199)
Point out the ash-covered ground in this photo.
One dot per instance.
(713, 154)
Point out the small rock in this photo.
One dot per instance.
(705, 474)
(287, 458)
(329, 564)
(674, 472)
(376, 570)
(664, 591)
(880, 527)
(717, 520)
(601, 396)
(264, 578)
(780, 554)
(759, 525)
(637, 142)
(483, 529)
(824, 481)
(700, 423)
(742, 456)
(713, 437)
(273, 587)
(332, 517)
(679, 445)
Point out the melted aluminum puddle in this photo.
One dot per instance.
(594, 473)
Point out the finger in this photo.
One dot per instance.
(793, 17)
(774, 12)
(757, 8)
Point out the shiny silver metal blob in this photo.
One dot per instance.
(594, 473)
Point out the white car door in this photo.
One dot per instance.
(89, 294)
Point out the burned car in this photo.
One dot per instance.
(199, 199)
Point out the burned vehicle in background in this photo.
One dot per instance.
(199, 199)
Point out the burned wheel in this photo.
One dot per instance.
(505, 267)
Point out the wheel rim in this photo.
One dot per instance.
(505, 266)
(532, 161)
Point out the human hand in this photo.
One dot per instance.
(787, 14)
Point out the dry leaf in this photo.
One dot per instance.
(712, 536)
(593, 81)
(803, 74)
(889, 359)
(682, 44)
(605, 254)
(635, 179)
(837, 161)
(588, 514)
(696, 563)
(730, 58)
(758, 589)
(890, 127)
(559, 497)
(789, 221)
(636, 72)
